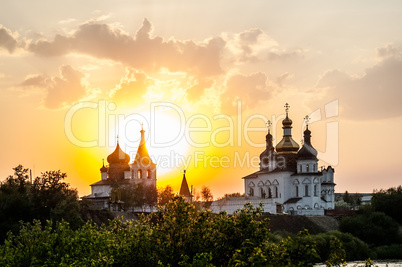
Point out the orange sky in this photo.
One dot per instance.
(203, 77)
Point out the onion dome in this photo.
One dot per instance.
(287, 144)
(103, 169)
(118, 156)
(307, 151)
(142, 157)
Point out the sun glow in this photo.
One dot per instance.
(164, 137)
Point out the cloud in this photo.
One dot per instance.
(7, 40)
(375, 95)
(143, 51)
(60, 91)
(249, 89)
(389, 51)
(131, 87)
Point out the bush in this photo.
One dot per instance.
(374, 228)
(389, 252)
(355, 249)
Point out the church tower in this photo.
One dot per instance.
(143, 169)
(287, 148)
(184, 190)
(268, 156)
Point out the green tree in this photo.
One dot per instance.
(206, 194)
(48, 197)
(374, 228)
(165, 195)
(389, 201)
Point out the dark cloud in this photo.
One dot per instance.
(389, 51)
(249, 89)
(7, 41)
(141, 51)
(375, 95)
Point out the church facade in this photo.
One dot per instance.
(119, 173)
(289, 179)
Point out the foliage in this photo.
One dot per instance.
(177, 235)
(355, 249)
(48, 197)
(393, 251)
(389, 201)
(337, 255)
(165, 195)
(374, 228)
(138, 195)
(206, 194)
(237, 194)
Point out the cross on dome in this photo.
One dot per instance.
(307, 119)
(268, 123)
(287, 106)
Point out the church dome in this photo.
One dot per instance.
(287, 122)
(118, 156)
(307, 151)
(103, 169)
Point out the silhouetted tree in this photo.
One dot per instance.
(389, 201)
(165, 195)
(206, 194)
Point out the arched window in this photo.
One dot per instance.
(251, 192)
(315, 190)
(269, 192)
(276, 191)
(307, 168)
(306, 190)
(297, 191)
(148, 174)
(139, 174)
(262, 192)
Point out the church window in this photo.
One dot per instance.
(148, 174)
(269, 192)
(262, 192)
(251, 192)
(306, 190)
(315, 190)
(139, 174)
(307, 168)
(276, 191)
(297, 191)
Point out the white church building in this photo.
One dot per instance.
(288, 181)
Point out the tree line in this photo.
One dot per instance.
(41, 224)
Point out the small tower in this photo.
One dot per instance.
(143, 169)
(103, 171)
(184, 190)
(268, 157)
(307, 156)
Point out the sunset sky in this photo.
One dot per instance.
(203, 77)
